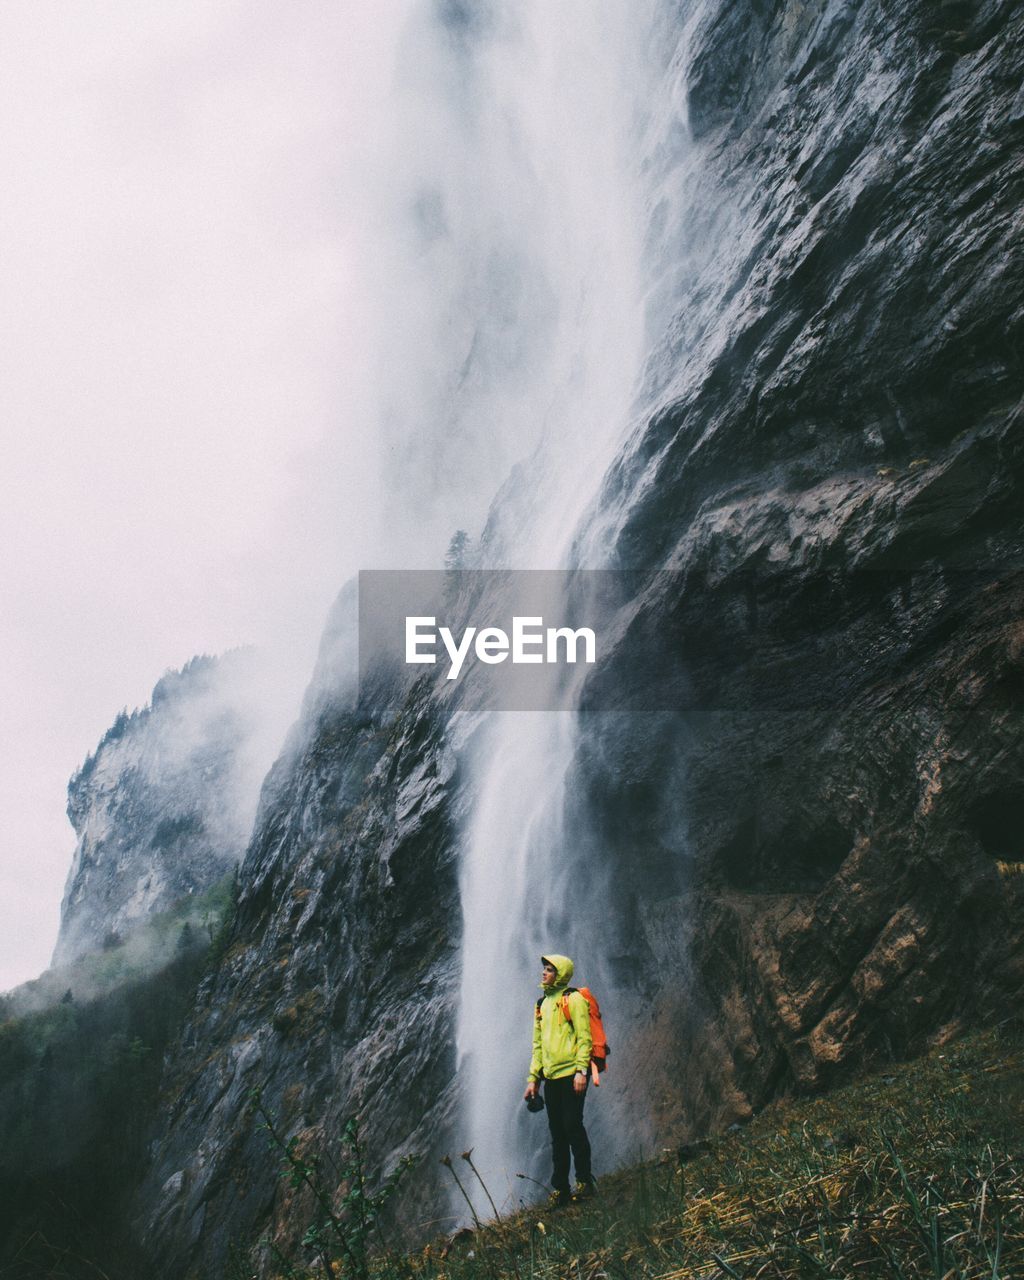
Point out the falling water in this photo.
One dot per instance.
(604, 125)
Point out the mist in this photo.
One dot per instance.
(217, 398)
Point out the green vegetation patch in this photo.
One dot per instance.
(914, 1172)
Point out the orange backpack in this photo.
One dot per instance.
(601, 1050)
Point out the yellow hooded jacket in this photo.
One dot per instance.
(560, 1048)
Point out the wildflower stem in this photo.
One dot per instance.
(468, 1157)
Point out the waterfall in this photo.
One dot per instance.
(606, 134)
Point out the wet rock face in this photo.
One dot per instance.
(837, 477)
(848, 783)
(335, 997)
(164, 807)
(853, 300)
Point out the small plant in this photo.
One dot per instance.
(339, 1237)
(497, 1234)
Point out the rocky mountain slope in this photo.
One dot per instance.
(805, 858)
(164, 806)
(837, 481)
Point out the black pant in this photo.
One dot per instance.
(565, 1120)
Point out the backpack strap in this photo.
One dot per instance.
(563, 1004)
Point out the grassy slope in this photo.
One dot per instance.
(915, 1171)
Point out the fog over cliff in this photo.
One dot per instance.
(164, 807)
(726, 289)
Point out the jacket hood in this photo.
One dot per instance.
(563, 967)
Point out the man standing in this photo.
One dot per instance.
(562, 1046)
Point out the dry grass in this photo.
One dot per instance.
(914, 1172)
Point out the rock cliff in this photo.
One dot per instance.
(836, 478)
(164, 806)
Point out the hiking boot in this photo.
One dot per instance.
(559, 1199)
(585, 1190)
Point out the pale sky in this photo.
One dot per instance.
(187, 458)
(285, 291)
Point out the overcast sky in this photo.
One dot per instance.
(186, 459)
(286, 292)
